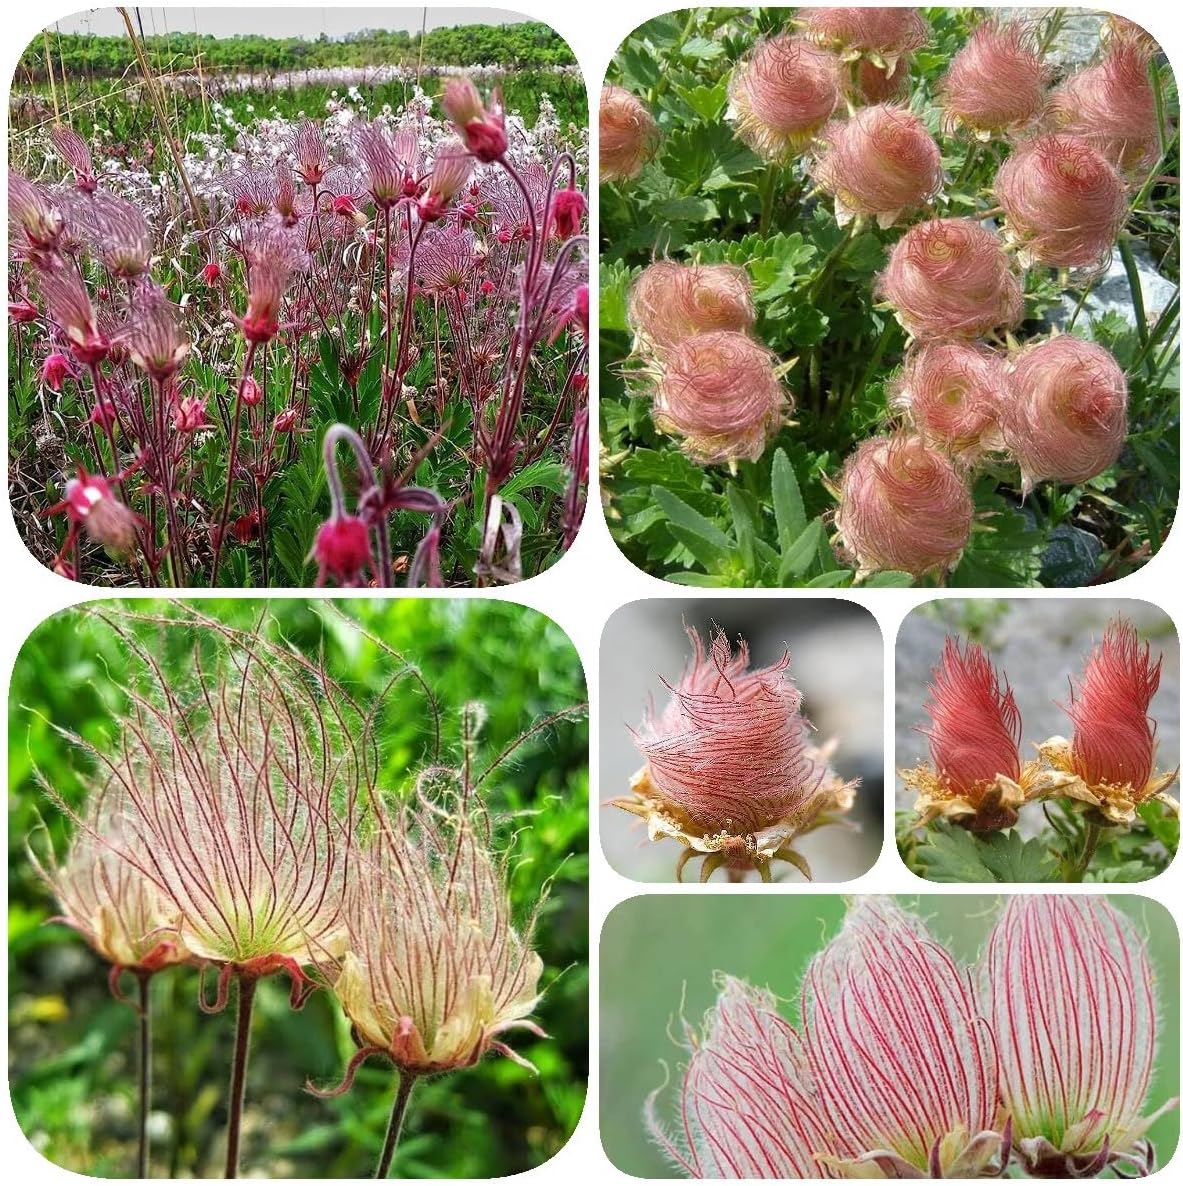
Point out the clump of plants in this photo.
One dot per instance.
(185, 339)
(1107, 812)
(847, 257)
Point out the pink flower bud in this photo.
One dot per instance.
(1064, 202)
(91, 502)
(720, 393)
(482, 129)
(950, 278)
(105, 414)
(782, 94)
(449, 174)
(211, 274)
(881, 161)
(23, 312)
(55, 370)
(566, 213)
(188, 414)
(669, 301)
(883, 31)
(903, 506)
(628, 135)
(1064, 411)
(251, 393)
(342, 551)
(286, 420)
(996, 82)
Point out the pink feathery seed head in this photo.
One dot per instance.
(728, 753)
(153, 336)
(950, 391)
(997, 82)
(253, 191)
(568, 207)
(1113, 743)
(121, 235)
(75, 153)
(1111, 105)
(1120, 30)
(1064, 202)
(55, 370)
(424, 570)
(275, 256)
(23, 311)
(445, 262)
(747, 1107)
(782, 95)
(30, 208)
(669, 302)
(285, 195)
(386, 158)
(1067, 989)
(719, 392)
(91, 502)
(628, 135)
(903, 506)
(881, 161)
(450, 171)
(886, 32)
(68, 304)
(974, 723)
(950, 278)
(481, 127)
(342, 551)
(904, 1070)
(311, 152)
(1063, 414)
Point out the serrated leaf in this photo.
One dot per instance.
(952, 854)
(616, 279)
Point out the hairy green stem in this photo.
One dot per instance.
(1079, 867)
(398, 1113)
(242, 1047)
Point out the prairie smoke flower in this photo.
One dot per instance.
(153, 336)
(68, 304)
(902, 505)
(628, 135)
(902, 1064)
(211, 274)
(1068, 991)
(1110, 761)
(782, 94)
(880, 33)
(342, 551)
(450, 172)
(311, 152)
(121, 236)
(1120, 30)
(445, 261)
(275, 257)
(189, 415)
(1111, 106)
(55, 370)
(950, 278)
(75, 152)
(950, 393)
(250, 392)
(669, 302)
(91, 503)
(391, 161)
(30, 208)
(729, 769)
(1063, 413)
(720, 393)
(747, 1105)
(997, 81)
(1064, 202)
(424, 570)
(481, 128)
(23, 311)
(567, 209)
(881, 161)
(976, 778)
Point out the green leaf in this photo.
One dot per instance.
(702, 50)
(616, 279)
(889, 580)
(787, 505)
(744, 518)
(549, 475)
(686, 209)
(952, 854)
(707, 102)
(801, 553)
(690, 520)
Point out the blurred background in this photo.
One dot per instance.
(72, 1047)
(837, 662)
(1039, 645)
(659, 954)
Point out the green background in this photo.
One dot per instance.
(71, 1045)
(657, 951)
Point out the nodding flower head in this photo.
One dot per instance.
(903, 506)
(1067, 988)
(437, 971)
(782, 94)
(568, 206)
(342, 551)
(720, 393)
(1111, 106)
(450, 172)
(29, 207)
(311, 152)
(882, 32)
(730, 772)
(997, 81)
(91, 503)
(903, 1066)
(976, 778)
(1110, 760)
(68, 304)
(1064, 202)
(75, 152)
(481, 127)
(669, 302)
(881, 161)
(628, 135)
(747, 1107)
(55, 370)
(1063, 412)
(153, 336)
(950, 278)
(275, 256)
(950, 393)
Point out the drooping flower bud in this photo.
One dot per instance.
(881, 161)
(1063, 415)
(211, 274)
(903, 506)
(342, 551)
(566, 213)
(55, 370)
(1064, 202)
(23, 311)
(997, 81)
(950, 278)
(189, 415)
(91, 503)
(720, 393)
(250, 392)
(449, 173)
(669, 302)
(68, 303)
(782, 95)
(628, 135)
(75, 152)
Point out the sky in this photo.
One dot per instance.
(286, 21)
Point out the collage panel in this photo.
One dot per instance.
(270, 859)
(298, 298)
(815, 1036)
(741, 740)
(1037, 740)
(889, 297)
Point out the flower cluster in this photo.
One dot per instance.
(730, 770)
(906, 1064)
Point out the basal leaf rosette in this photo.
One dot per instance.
(730, 772)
